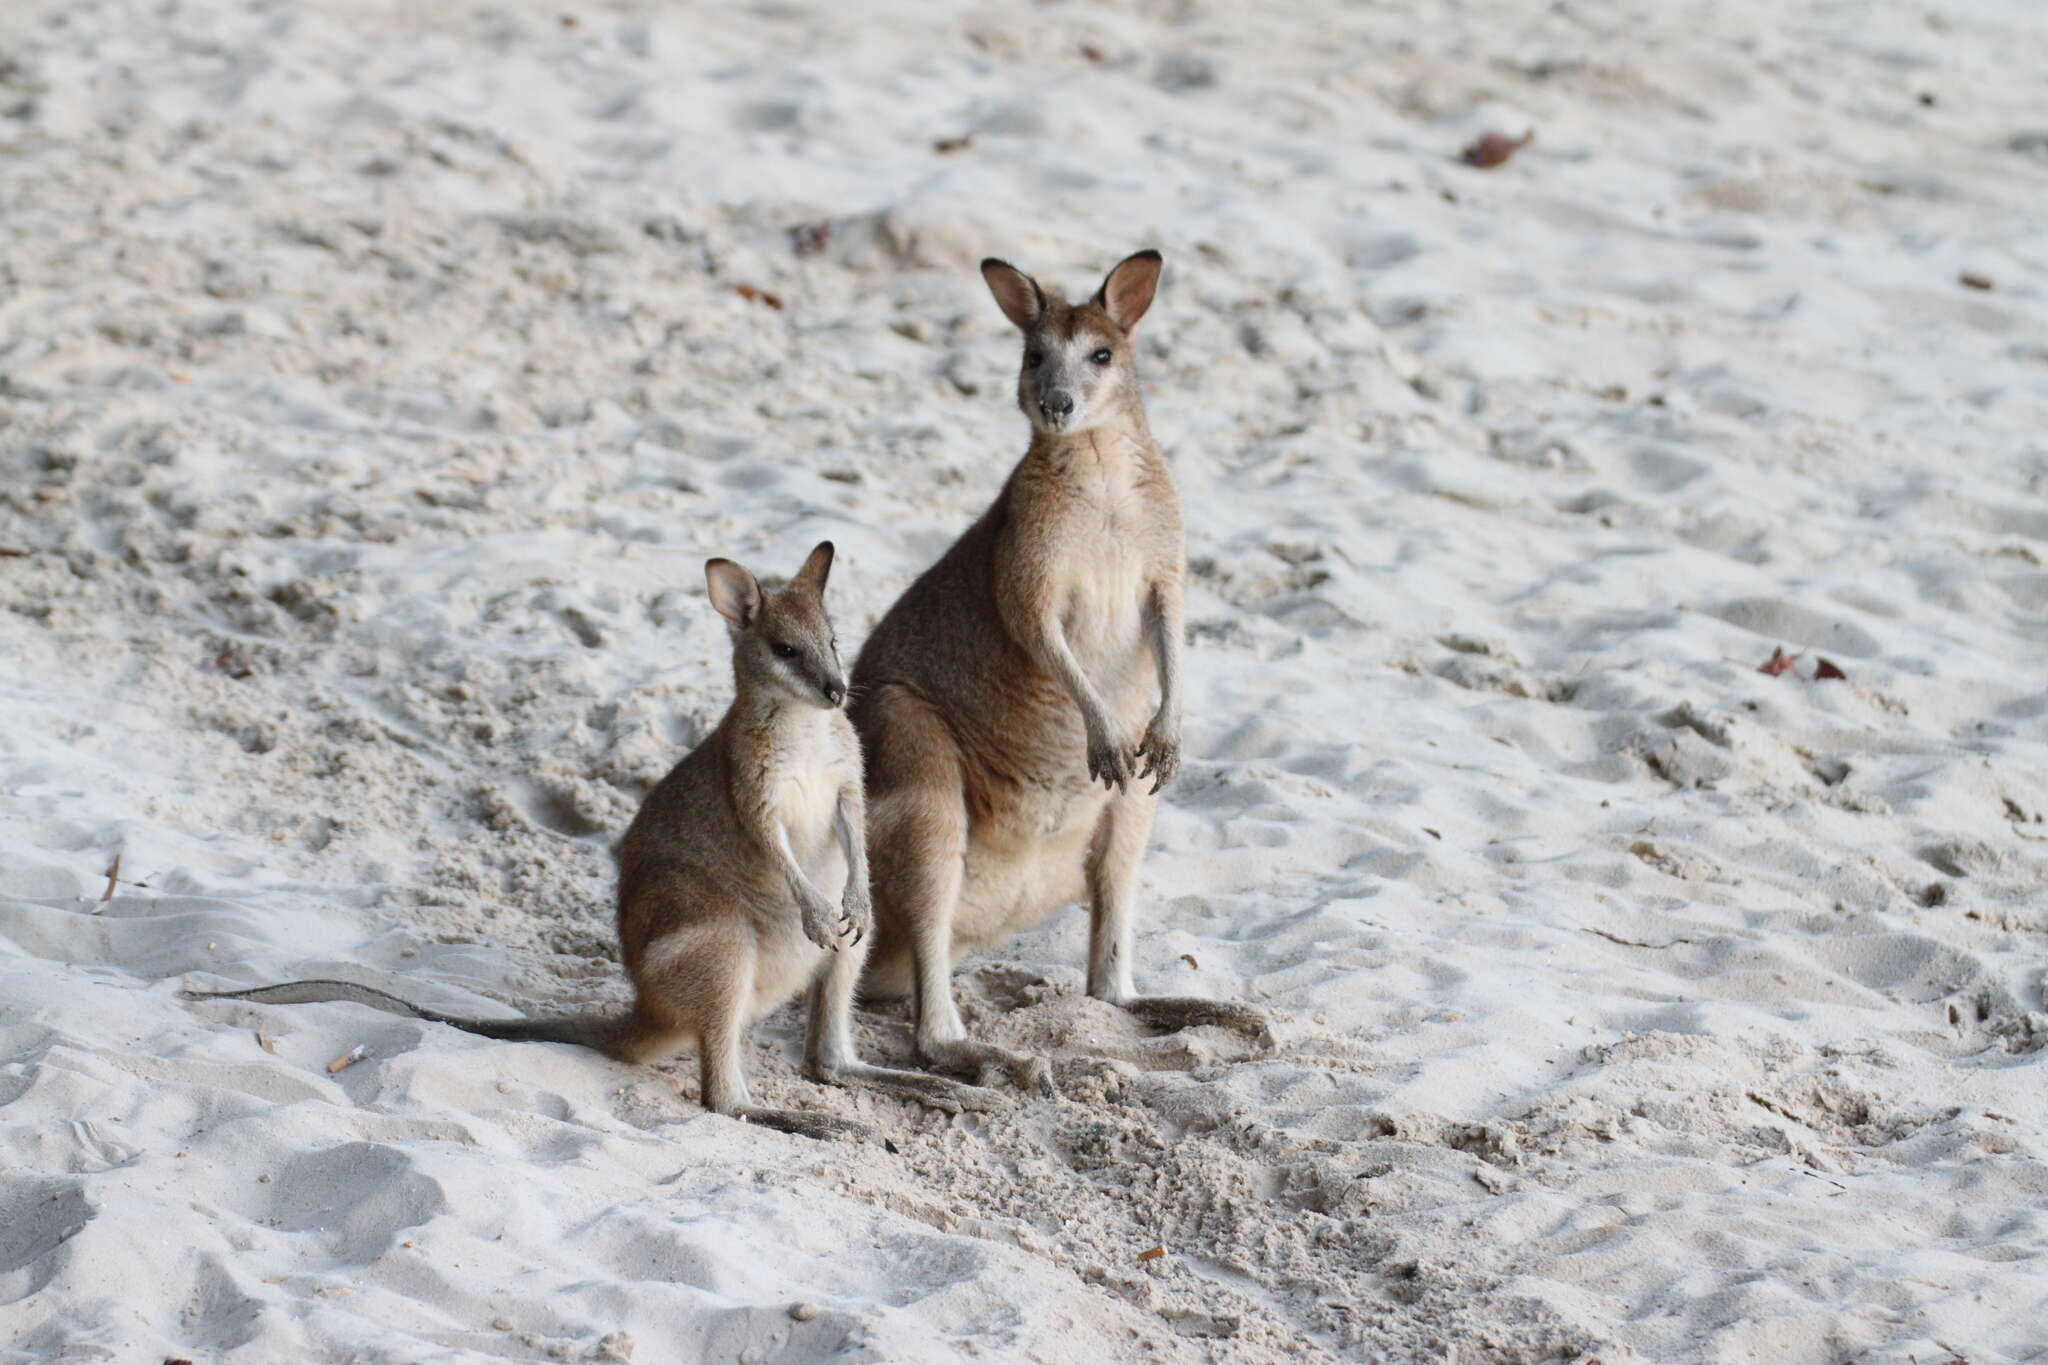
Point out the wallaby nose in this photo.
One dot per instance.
(1056, 405)
(835, 692)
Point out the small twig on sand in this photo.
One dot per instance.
(1815, 1175)
(113, 880)
(1636, 943)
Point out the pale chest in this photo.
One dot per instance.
(1107, 584)
(803, 765)
(1118, 546)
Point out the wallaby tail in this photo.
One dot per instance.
(589, 1030)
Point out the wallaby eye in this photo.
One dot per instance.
(1102, 357)
(783, 651)
(1033, 359)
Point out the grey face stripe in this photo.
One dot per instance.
(810, 670)
(1066, 369)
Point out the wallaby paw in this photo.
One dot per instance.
(1160, 755)
(1174, 1012)
(990, 1066)
(934, 1092)
(822, 925)
(804, 1123)
(1031, 1074)
(856, 917)
(978, 1099)
(1111, 762)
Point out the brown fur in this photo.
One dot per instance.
(742, 879)
(1007, 700)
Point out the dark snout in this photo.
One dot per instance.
(829, 683)
(1056, 406)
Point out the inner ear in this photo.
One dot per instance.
(817, 568)
(1127, 290)
(1017, 294)
(734, 593)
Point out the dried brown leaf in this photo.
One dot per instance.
(808, 239)
(233, 661)
(1494, 149)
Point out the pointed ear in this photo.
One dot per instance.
(817, 568)
(1127, 290)
(1016, 292)
(733, 591)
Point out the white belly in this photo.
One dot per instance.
(803, 800)
(807, 805)
(1105, 624)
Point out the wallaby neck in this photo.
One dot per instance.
(1123, 441)
(757, 708)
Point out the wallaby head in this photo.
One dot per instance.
(1078, 367)
(782, 641)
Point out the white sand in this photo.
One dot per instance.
(1631, 1003)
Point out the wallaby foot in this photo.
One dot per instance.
(803, 1123)
(935, 1092)
(1174, 1012)
(987, 1063)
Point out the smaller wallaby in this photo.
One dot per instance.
(743, 877)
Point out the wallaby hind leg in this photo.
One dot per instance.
(1113, 859)
(830, 1057)
(699, 978)
(917, 841)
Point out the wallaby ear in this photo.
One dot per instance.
(817, 568)
(733, 591)
(1016, 292)
(1127, 290)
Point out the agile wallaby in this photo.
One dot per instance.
(743, 877)
(1018, 672)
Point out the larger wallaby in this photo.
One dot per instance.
(743, 878)
(1007, 701)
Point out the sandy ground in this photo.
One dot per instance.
(375, 379)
